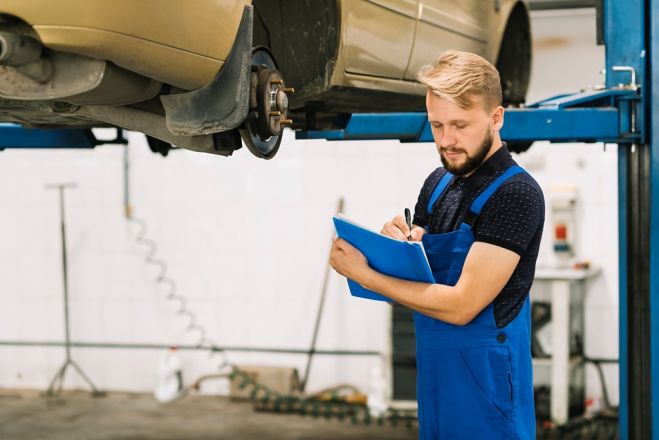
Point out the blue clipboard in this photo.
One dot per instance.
(397, 258)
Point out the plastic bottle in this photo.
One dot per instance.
(169, 381)
(377, 391)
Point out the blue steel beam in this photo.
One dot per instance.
(605, 97)
(627, 30)
(555, 125)
(570, 125)
(652, 97)
(15, 136)
(596, 116)
(362, 126)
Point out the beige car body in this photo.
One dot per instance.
(166, 40)
(386, 42)
(383, 42)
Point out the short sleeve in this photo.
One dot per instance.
(512, 217)
(421, 207)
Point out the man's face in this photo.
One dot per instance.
(463, 137)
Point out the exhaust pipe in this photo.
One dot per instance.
(25, 54)
(18, 50)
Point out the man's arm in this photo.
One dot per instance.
(486, 271)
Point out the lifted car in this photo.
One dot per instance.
(208, 74)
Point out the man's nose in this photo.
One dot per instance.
(445, 138)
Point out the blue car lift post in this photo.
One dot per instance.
(622, 113)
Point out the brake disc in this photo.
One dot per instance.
(263, 129)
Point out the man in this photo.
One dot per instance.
(480, 218)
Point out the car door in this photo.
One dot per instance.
(449, 24)
(378, 36)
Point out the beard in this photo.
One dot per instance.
(471, 162)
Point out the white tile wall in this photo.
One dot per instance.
(246, 241)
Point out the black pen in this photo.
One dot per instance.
(408, 219)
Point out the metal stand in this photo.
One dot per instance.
(56, 384)
(312, 350)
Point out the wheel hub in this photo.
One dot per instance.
(268, 113)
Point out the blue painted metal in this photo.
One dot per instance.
(652, 97)
(624, 35)
(362, 126)
(563, 125)
(623, 373)
(605, 97)
(597, 116)
(15, 136)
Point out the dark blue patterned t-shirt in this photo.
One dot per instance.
(513, 218)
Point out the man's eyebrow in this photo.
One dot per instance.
(453, 121)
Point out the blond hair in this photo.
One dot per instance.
(460, 76)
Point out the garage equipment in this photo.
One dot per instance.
(622, 113)
(16, 136)
(283, 380)
(56, 384)
(319, 315)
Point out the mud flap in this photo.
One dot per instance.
(222, 104)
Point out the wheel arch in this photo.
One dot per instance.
(513, 58)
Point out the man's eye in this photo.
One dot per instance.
(460, 127)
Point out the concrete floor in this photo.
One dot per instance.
(76, 415)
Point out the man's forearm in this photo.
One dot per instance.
(436, 300)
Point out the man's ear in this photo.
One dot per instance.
(497, 118)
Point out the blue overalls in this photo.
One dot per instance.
(473, 381)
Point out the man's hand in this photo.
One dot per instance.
(348, 261)
(397, 228)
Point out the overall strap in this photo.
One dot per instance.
(482, 199)
(439, 189)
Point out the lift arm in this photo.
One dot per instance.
(608, 115)
(16, 136)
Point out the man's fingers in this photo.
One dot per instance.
(393, 231)
(401, 224)
(417, 233)
(343, 246)
(396, 228)
(335, 255)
